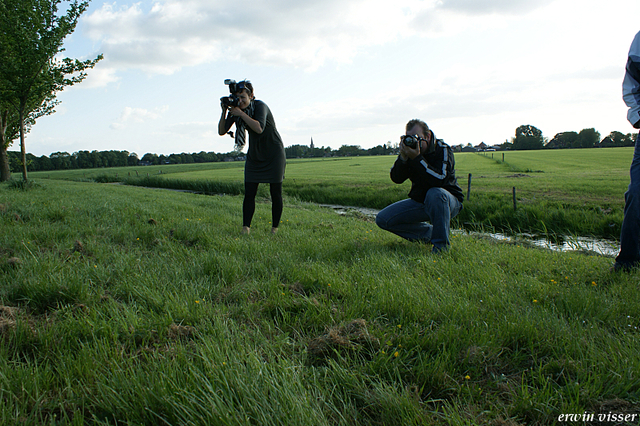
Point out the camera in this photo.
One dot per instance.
(233, 100)
(230, 101)
(411, 141)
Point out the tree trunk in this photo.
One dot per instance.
(23, 150)
(5, 173)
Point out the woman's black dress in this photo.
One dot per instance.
(266, 158)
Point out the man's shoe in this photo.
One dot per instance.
(439, 250)
(623, 267)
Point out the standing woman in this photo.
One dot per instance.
(266, 159)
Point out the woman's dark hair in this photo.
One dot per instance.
(245, 85)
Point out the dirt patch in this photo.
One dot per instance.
(181, 332)
(518, 175)
(14, 262)
(7, 319)
(347, 338)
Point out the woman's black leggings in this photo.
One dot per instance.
(249, 204)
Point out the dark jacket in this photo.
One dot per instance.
(436, 168)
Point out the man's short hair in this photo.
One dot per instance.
(422, 124)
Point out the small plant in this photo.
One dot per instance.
(23, 185)
(105, 178)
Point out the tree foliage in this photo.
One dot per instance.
(616, 138)
(32, 33)
(563, 140)
(528, 137)
(589, 138)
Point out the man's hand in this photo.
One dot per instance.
(407, 153)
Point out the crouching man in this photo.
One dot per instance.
(435, 195)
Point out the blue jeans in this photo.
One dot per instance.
(407, 218)
(629, 255)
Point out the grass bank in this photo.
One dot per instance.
(574, 192)
(123, 305)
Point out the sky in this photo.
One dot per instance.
(343, 72)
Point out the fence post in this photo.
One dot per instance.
(503, 157)
(469, 187)
(514, 198)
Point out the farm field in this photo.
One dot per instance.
(134, 306)
(558, 192)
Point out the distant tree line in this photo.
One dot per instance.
(98, 159)
(303, 151)
(527, 137)
(530, 137)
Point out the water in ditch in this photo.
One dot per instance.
(567, 243)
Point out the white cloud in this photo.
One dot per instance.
(173, 34)
(137, 116)
(306, 34)
(99, 76)
(481, 7)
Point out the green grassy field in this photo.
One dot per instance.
(135, 306)
(558, 192)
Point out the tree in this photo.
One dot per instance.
(31, 35)
(296, 151)
(563, 140)
(349, 150)
(151, 158)
(528, 137)
(61, 160)
(132, 160)
(8, 133)
(618, 139)
(589, 138)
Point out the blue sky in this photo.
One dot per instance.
(341, 71)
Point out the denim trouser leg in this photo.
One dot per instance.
(630, 234)
(407, 218)
(441, 206)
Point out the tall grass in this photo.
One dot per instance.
(120, 305)
(202, 186)
(561, 196)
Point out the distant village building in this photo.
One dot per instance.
(311, 146)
